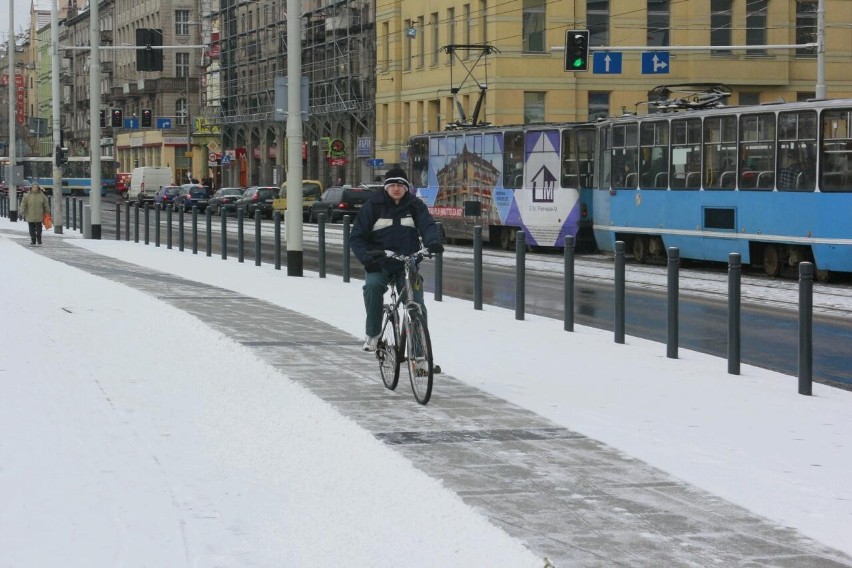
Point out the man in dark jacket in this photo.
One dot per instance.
(394, 220)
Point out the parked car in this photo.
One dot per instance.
(311, 191)
(339, 201)
(166, 195)
(192, 194)
(258, 198)
(224, 200)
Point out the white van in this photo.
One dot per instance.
(146, 181)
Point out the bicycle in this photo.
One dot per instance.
(406, 337)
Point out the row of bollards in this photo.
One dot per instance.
(806, 273)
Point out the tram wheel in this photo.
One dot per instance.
(640, 249)
(823, 276)
(771, 260)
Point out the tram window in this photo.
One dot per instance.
(685, 165)
(796, 151)
(757, 151)
(654, 155)
(513, 160)
(419, 159)
(570, 167)
(836, 151)
(625, 152)
(720, 152)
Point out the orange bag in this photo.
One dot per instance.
(47, 220)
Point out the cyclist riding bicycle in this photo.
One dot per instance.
(395, 220)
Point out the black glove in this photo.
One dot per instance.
(435, 248)
(372, 266)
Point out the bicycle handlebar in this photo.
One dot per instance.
(422, 253)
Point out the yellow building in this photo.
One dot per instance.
(525, 76)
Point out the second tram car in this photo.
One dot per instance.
(770, 182)
(507, 179)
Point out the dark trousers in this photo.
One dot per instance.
(35, 232)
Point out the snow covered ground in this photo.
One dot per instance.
(110, 458)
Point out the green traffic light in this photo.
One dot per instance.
(578, 62)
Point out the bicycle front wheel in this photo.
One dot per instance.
(419, 358)
(387, 351)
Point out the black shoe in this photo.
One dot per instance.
(436, 369)
(33, 243)
(39, 241)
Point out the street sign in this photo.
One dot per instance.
(375, 163)
(131, 123)
(606, 62)
(226, 159)
(164, 123)
(655, 62)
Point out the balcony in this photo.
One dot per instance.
(106, 36)
(106, 66)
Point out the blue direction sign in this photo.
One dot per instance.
(131, 123)
(655, 62)
(606, 62)
(375, 163)
(164, 123)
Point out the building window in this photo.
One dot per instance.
(598, 105)
(181, 22)
(534, 32)
(806, 27)
(749, 98)
(659, 22)
(451, 31)
(436, 39)
(597, 19)
(483, 21)
(756, 25)
(407, 43)
(386, 46)
(720, 25)
(181, 65)
(533, 107)
(466, 20)
(422, 43)
(181, 107)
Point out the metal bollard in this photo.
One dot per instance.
(147, 215)
(672, 331)
(74, 216)
(439, 267)
(118, 221)
(194, 229)
(223, 233)
(67, 211)
(276, 217)
(181, 214)
(619, 291)
(156, 226)
(346, 254)
(806, 327)
(241, 252)
(169, 210)
(135, 222)
(520, 274)
(126, 221)
(80, 213)
(321, 244)
(257, 237)
(477, 267)
(735, 270)
(568, 291)
(208, 230)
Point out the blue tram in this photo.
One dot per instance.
(771, 182)
(507, 179)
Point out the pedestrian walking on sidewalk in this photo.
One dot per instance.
(33, 207)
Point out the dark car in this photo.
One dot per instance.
(166, 196)
(258, 198)
(22, 187)
(224, 200)
(336, 202)
(190, 195)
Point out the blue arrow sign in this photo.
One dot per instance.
(655, 62)
(131, 123)
(375, 162)
(164, 123)
(606, 62)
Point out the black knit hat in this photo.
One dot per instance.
(397, 175)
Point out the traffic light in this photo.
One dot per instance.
(103, 118)
(577, 50)
(146, 118)
(149, 59)
(61, 155)
(116, 121)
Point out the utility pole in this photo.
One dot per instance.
(12, 169)
(95, 116)
(57, 127)
(293, 221)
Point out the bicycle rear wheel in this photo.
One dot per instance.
(419, 358)
(387, 351)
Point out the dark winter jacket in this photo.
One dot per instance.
(397, 227)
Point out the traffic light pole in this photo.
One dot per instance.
(58, 202)
(95, 119)
(13, 123)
